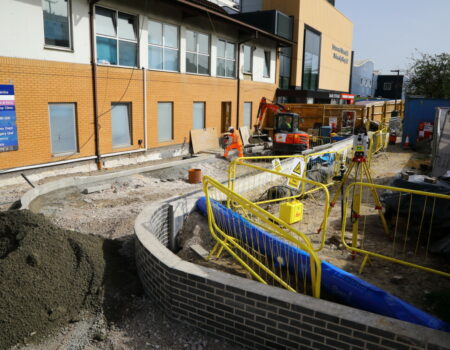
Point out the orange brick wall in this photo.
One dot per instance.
(38, 83)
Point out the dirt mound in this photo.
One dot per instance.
(47, 276)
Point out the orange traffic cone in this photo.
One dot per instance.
(406, 144)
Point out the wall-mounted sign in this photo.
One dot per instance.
(8, 129)
(340, 54)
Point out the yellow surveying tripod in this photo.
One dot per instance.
(359, 164)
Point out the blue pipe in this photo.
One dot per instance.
(345, 287)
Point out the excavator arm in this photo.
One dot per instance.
(262, 110)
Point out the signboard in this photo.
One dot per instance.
(276, 164)
(297, 170)
(8, 129)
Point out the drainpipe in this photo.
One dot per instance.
(94, 83)
(238, 108)
(144, 72)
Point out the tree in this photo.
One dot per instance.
(429, 76)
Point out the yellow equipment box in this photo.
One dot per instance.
(291, 212)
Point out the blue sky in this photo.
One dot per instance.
(389, 31)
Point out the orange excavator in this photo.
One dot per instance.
(287, 137)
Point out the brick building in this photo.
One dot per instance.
(104, 78)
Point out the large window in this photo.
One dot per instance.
(248, 114)
(163, 49)
(165, 121)
(116, 37)
(248, 59)
(197, 53)
(57, 23)
(311, 59)
(285, 67)
(121, 125)
(226, 59)
(63, 128)
(199, 115)
(266, 71)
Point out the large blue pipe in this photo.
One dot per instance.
(345, 287)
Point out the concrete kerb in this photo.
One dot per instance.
(32, 194)
(232, 299)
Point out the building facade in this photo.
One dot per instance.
(362, 78)
(89, 80)
(389, 86)
(321, 58)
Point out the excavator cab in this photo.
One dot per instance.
(288, 138)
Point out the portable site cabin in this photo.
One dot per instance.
(441, 142)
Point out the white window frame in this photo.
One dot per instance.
(163, 47)
(269, 63)
(246, 103)
(199, 53)
(162, 140)
(75, 129)
(69, 18)
(204, 113)
(130, 124)
(251, 59)
(117, 38)
(226, 59)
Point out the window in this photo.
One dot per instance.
(387, 86)
(285, 67)
(248, 114)
(311, 60)
(120, 125)
(116, 37)
(165, 117)
(63, 128)
(199, 115)
(266, 72)
(57, 23)
(226, 59)
(163, 49)
(248, 59)
(197, 53)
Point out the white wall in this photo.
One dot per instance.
(22, 32)
(22, 35)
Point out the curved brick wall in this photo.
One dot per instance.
(251, 314)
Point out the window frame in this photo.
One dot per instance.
(251, 114)
(316, 32)
(251, 60)
(75, 129)
(172, 122)
(163, 47)
(226, 59)
(117, 38)
(197, 52)
(265, 64)
(130, 124)
(387, 86)
(204, 114)
(70, 27)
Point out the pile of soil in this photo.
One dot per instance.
(49, 275)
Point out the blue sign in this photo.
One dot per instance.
(8, 128)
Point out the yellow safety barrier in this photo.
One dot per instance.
(262, 180)
(378, 142)
(416, 217)
(262, 260)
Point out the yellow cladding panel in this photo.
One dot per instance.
(291, 212)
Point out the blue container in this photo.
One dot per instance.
(325, 131)
(418, 110)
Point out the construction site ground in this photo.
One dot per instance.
(137, 323)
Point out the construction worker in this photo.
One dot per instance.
(236, 142)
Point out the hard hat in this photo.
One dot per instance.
(230, 128)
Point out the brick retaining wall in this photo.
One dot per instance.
(258, 316)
